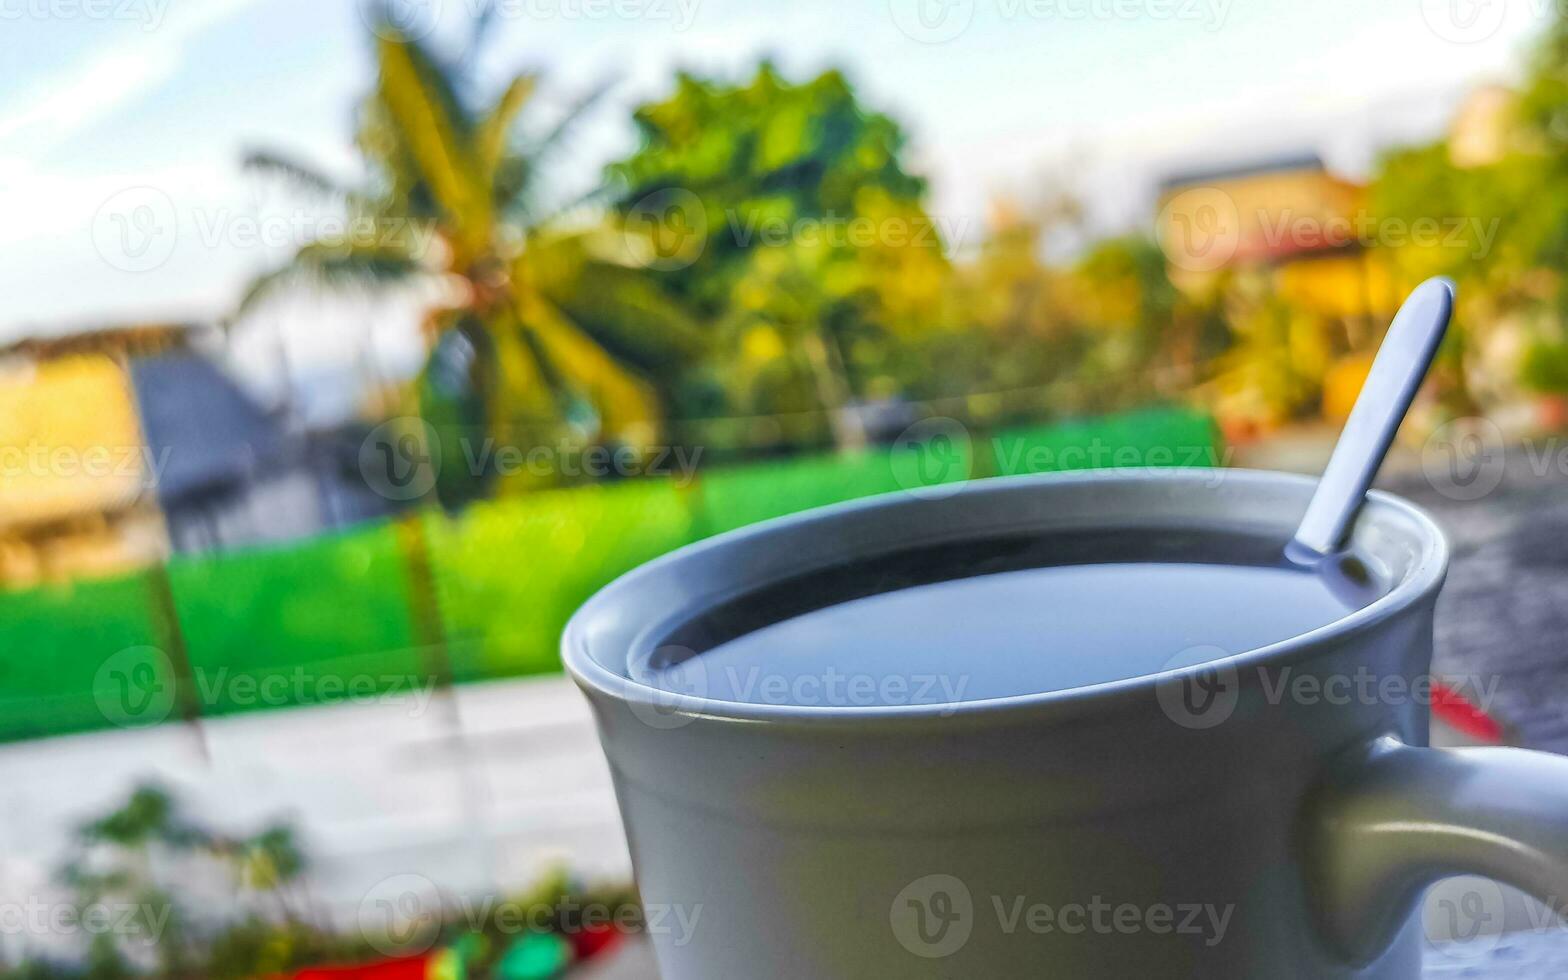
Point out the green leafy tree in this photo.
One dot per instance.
(783, 216)
(1520, 199)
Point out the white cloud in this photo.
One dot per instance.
(121, 73)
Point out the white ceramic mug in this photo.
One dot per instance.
(1194, 823)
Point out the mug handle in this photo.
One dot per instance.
(1391, 819)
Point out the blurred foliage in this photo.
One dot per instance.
(794, 231)
(1510, 328)
(503, 616)
(1104, 331)
(1545, 367)
(760, 275)
(453, 202)
(173, 899)
(132, 868)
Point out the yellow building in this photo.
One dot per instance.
(1291, 216)
(1482, 130)
(1306, 231)
(77, 481)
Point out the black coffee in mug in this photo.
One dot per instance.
(1004, 617)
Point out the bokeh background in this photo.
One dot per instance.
(346, 347)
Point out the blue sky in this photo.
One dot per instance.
(157, 99)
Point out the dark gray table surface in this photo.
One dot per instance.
(1503, 615)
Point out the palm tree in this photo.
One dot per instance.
(453, 198)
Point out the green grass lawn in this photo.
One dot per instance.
(331, 618)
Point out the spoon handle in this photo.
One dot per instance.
(1391, 386)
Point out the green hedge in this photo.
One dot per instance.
(510, 573)
(732, 498)
(1139, 439)
(62, 669)
(340, 615)
(313, 622)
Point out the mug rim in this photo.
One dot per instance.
(1419, 582)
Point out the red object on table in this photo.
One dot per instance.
(1455, 710)
(409, 968)
(590, 941)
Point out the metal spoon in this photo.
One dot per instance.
(1391, 385)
